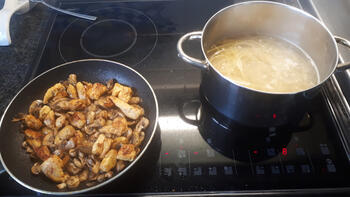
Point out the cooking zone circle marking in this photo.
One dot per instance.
(122, 34)
(113, 30)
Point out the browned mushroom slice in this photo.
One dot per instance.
(120, 165)
(78, 119)
(72, 169)
(36, 168)
(73, 182)
(35, 107)
(130, 111)
(53, 91)
(137, 138)
(118, 141)
(32, 122)
(109, 161)
(64, 134)
(127, 152)
(96, 91)
(52, 168)
(142, 124)
(72, 92)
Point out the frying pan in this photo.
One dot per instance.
(17, 162)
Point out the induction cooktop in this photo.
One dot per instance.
(193, 153)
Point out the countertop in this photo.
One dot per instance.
(16, 60)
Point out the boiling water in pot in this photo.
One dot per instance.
(264, 63)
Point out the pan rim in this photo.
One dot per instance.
(115, 176)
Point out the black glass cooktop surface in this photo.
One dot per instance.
(192, 151)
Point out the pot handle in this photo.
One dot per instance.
(344, 42)
(202, 64)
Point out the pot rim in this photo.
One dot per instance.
(304, 13)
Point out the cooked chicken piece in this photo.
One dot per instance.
(137, 138)
(142, 124)
(95, 168)
(83, 176)
(118, 127)
(60, 121)
(81, 91)
(78, 137)
(102, 114)
(72, 169)
(142, 111)
(72, 79)
(69, 144)
(32, 134)
(118, 141)
(122, 92)
(42, 153)
(73, 182)
(104, 102)
(77, 119)
(52, 168)
(130, 111)
(64, 134)
(49, 120)
(65, 104)
(35, 107)
(134, 100)
(101, 146)
(53, 91)
(48, 140)
(34, 143)
(32, 122)
(120, 165)
(59, 95)
(46, 130)
(43, 112)
(109, 161)
(72, 92)
(99, 122)
(106, 147)
(92, 108)
(97, 148)
(61, 185)
(65, 160)
(96, 91)
(127, 152)
(36, 168)
(90, 117)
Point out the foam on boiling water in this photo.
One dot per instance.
(265, 63)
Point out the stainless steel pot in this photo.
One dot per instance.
(252, 107)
